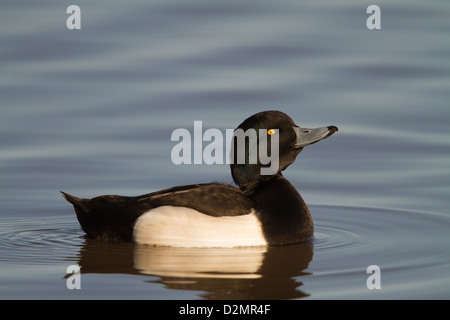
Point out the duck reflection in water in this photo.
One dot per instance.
(220, 273)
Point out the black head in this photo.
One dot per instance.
(267, 143)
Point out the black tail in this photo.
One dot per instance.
(72, 199)
(104, 217)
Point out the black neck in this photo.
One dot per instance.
(284, 215)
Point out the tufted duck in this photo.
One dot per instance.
(264, 210)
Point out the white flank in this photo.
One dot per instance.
(185, 227)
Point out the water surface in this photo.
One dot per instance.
(91, 111)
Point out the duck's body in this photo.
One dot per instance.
(264, 210)
(203, 215)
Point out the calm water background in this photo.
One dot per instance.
(91, 111)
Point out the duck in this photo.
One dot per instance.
(261, 210)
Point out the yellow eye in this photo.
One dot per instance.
(270, 132)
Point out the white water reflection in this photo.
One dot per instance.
(238, 263)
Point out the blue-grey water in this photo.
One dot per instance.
(91, 112)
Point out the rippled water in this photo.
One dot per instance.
(91, 111)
